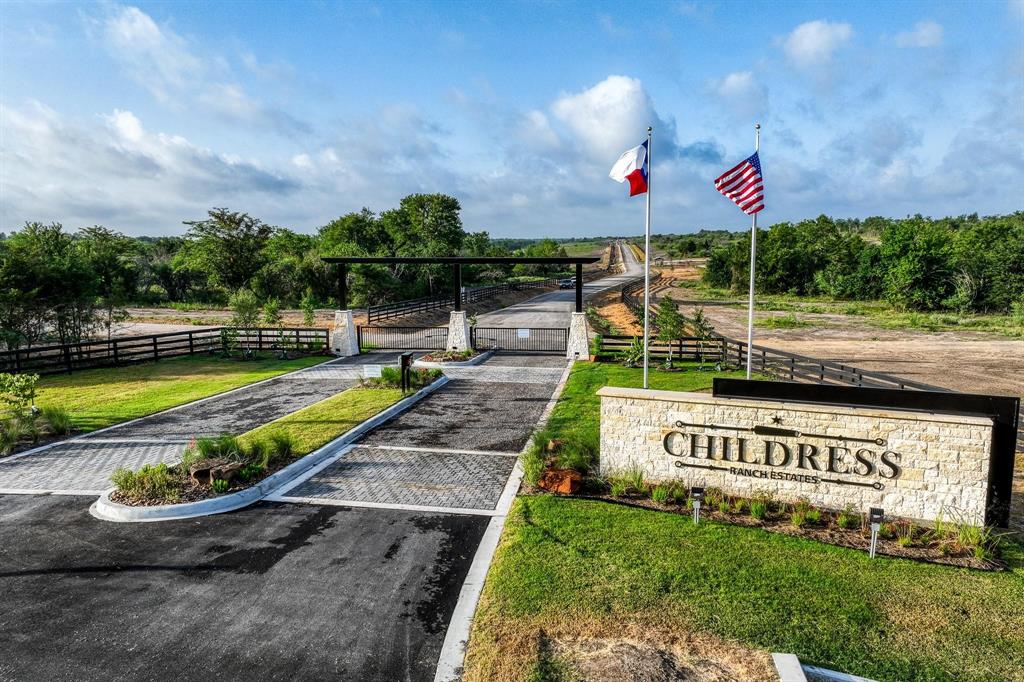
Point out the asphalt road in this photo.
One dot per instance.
(275, 592)
(553, 310)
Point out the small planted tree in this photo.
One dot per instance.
(308, 305)
(703, 330)
(245, 308)
(671, 325)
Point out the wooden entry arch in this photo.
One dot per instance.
(457, 262)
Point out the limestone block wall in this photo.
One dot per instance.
(913, 464)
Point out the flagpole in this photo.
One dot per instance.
(647, 255)
(753, 261)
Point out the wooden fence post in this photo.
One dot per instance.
(191, 344)
(156, 350)
(117, 360)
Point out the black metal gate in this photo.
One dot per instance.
(402, 338)
(530, 339)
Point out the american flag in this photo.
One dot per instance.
(743, 185)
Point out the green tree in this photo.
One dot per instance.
(245, 308)
(308, 308)
(272, 313)
(112, 258)
(702, 329)
(229, 246)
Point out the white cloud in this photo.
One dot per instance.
(743, 93)
(925, 34)
(160, 61)
(119, 173)
(814, 43)
(610, 117)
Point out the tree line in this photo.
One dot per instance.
(966, 263)
(63, 286)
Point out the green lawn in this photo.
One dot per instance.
(100, 397)
(579, 408)
(322, 422)
(565, 562)
(585, 248)
(574, 568)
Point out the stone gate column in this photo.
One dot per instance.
(578, 347)
(344, 340)
(458, 331)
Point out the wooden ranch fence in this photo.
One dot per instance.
(125, 350)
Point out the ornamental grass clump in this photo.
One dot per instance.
(150, 482)
(660, 494)
(759, 509)
(847, 519)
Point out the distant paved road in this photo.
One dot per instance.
(553, 310)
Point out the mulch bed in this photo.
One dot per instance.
(779, 523)
(190, 491)
(22, 446)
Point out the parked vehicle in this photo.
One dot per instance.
(567, 283)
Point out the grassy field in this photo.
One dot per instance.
(101, 397)
(877, 313)
(322, 422)
(584, 248)
(579, 567)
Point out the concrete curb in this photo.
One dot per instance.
(456, 638)
(90, 434)
(108, 510)
(427, 364)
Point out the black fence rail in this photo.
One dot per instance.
(124, 350)
(686, 348)
(386, 311)
(800, 368)
(532, 339)
(402, 338)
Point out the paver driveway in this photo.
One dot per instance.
(85, 464)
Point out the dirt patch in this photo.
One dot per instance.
(689, 658)
(609, 306)
(638, 648)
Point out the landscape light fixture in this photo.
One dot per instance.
(696, 495)
(875, 516)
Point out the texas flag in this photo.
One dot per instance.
(632, 166)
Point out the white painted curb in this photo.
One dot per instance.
(104, 508)
(456, 638)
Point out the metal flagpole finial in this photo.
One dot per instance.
(650, 130)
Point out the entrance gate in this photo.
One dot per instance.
(482, 338)
(527, 339)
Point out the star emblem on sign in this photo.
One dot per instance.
(776, 419)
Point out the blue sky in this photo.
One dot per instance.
(139, 116)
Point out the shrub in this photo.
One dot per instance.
(635, 478)
(250, 471)
(533, 462)
(220, 486)
(798, 518)
(154, 482)
(618, 487)
(813, 515)
(18, 391)
(58, 419)
(660, 494)
(580, 453)
(739, 505)
(724, 507)
(759, 509)
(847, 518)
(713, 496)
(8, 436)
(282, 445)
(679, 494)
